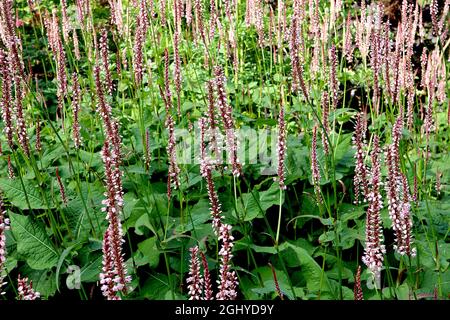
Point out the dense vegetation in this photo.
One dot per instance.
(331, 118)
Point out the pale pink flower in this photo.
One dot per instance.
(315, 165)
(281, 148)
(25, 290)
(195, 280)
(11, 174)
(360, 179)
(227, 278)
(4, 225)
(104, 52)
(374, 248)
(207, 279)
(232, 144)
(65, 21)
(174, 170)
(6, 100)
(76, 105)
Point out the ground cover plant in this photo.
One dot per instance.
(206, 149)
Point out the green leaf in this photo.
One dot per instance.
(403, 292)
(200, 213)
(150, 251)
(32, 242)
(90, 272)
(44, 281)
(81, 222)
(156, 287)
(63, 256)
(15, 193)
(270, 197)
(315, 279)
(143, 221)
(248, 207)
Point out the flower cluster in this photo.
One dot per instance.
(199, 286)
(167, 94)
(374, 249)
(4, 225)
(174, 170)
(11, 67)
(326, 127)
(61, 187)
(162, 12)
(76, 105)
(398, 194)
(22, 134)
(227, 120)
(6, 100)
(11, 40)
(296, 54)
(200, 29)
(76, 45)
(11, 174)
(213, 133)
(82, 9)
(114, 277)
(275, 280)
(358, 139)
(207, 279)
(315, 165)
(348, 46)
(215, 205)
(259, 21)
(25, 290)
(38, 144)
(65, 21)
(213, 19)
(334, 86)
(281, 148)
(195, 280)
(139, 41)
(148, 152)
(404, 226)
(228, 280)
(105, 60)
(57, 47)
(116, 14)
(357, 291)
(176, 47)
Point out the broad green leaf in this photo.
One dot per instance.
(44, 281)
(63, 256)
(143, 221)
(315, 279)
(248, 207)
(156, 287)
(270, 197)
(90, 272)
(32, 242)
(200, 213)
(81, 221)
(403, 292)
(18, 194)
(150, 251)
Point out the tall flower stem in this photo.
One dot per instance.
(279, 217)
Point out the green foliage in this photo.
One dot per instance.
(313, 247)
